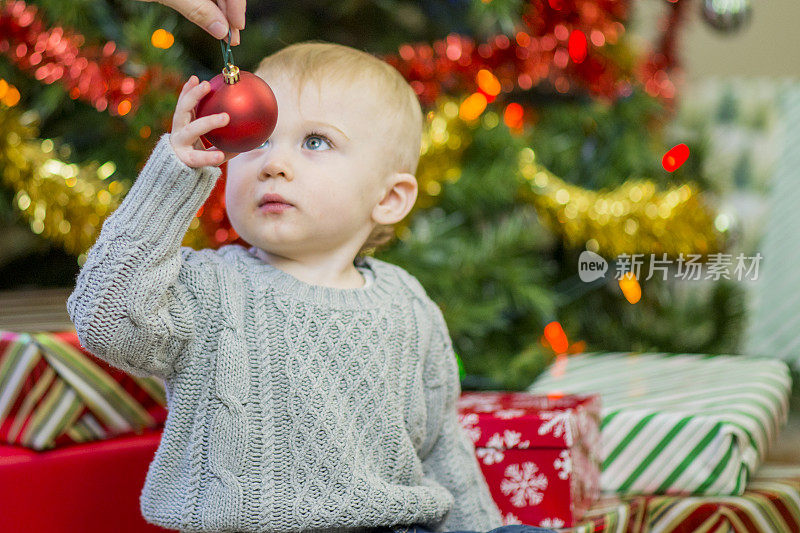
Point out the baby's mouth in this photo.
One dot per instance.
(272, 200)
(274, 207)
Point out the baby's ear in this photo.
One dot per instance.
(398, 200)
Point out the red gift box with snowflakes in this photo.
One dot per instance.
(540, 454)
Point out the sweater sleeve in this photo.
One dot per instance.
(132, 305)
(451, 460)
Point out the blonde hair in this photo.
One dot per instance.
(394, 101)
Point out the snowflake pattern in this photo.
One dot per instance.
(489, 456)
(563, 464)
(552, 522)
(526, 485)
(559, 423)
(493, 451)
(468, 423)
(511, 519)
(514, 438)
(507, 414)
(480, 403)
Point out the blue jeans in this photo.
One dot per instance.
(502, 529)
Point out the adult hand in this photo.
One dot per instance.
(214, 17)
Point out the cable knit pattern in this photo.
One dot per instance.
(292, 407)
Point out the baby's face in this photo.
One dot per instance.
(323, 158)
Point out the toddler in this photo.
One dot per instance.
(310, 386)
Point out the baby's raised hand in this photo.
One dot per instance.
(186, 130)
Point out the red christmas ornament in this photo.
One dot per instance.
(251, 105)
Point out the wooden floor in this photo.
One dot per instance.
(35, 310)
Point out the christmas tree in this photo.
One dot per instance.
(545, 137)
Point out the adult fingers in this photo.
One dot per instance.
(234, 10)
(225, 5)
(204, 13)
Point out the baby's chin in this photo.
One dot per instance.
(279, 247)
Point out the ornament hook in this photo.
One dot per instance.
(225, 45)
(230, 72)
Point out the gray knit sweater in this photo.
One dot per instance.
(292, 407)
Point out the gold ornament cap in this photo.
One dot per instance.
(230, 74)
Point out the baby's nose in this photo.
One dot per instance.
(274, 169)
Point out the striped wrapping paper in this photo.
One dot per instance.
(611, 515)
(52, 393)
(775, 297)
(771, 504)
(678, 423)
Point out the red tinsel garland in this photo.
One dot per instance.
(90, 73)
(661, 71)
(562, 43)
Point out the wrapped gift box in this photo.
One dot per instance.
(679, 423)
(771, 504)
(539, 454)
(610, 515)
(53, 393)
(93, 487)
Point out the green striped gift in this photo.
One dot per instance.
(678, 423)
(771, 504)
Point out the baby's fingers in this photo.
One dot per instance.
(183, 113)
(190, 83)
(203, 125)
(188, 101)
(204, 158)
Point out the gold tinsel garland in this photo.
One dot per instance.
(633, 218)
(444, 140)
(67, 203)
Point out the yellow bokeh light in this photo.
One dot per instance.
(630, 287)
(161, 38)
(472, 107)
(11, 97)
(488, 82)
(106, 170)
(433, 188)
(124, 107)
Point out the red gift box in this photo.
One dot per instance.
(540, 455)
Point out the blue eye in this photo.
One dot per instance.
(318, 137)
